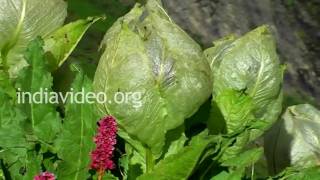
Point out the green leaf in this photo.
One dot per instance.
(124, 164)
(43, 120)
(215, 122)
(308, 174)
(11, 121)
(76, 139)
(13, 144)
(106, 176)
(237, 108)
(1, 175)
(10, 117)
(109, 176)
(32, 165)
(145, 52)
(237, 175)
(295, 140)
(182, 164)
(136, 155)
(14, 161)
(63, 41)
(244, 159)
(177, 142)
(23, 20)
(21, 163)
(6, 85)
(137, 163)
(294, 173)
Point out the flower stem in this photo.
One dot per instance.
(149, 160)
(100, 174)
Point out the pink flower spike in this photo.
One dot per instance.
(45, 176)
(105, 140)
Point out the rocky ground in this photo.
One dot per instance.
(296, 23)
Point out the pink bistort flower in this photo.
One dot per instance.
(105, 140)
(45, 176)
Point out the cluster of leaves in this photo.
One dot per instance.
(42, 137)
(235, 86)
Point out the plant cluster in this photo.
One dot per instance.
(205, 114)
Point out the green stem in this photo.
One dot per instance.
(252, 172)
(149, 160)
(206, 171)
